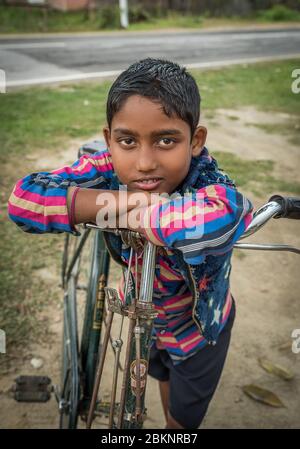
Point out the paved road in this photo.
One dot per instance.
(45, 59)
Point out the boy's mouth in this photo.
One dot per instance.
(147, 183)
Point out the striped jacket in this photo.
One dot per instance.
(199, 227)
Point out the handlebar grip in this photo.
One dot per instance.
(290, 206)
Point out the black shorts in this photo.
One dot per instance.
(194, 380)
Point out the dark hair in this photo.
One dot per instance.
(159, 80)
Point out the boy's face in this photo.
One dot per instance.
(145, 143)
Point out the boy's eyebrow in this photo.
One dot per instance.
(160, 132)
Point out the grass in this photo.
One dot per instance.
(174, 20)
(254, 175)
(21, 297)
(24, 20)
(265, 85)
(46, 118)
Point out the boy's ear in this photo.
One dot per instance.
(106, 134)
(198, 140)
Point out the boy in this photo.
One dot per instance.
(155, 145)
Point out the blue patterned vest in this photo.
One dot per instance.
(208, 306)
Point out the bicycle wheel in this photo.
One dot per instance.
(84, 271)
(70, 390)
(76, 252)
(94, 313)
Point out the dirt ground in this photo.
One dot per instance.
(265, 286)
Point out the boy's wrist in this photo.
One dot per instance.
(71, 206)
(69, 197)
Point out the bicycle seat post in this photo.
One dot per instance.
(147, 276)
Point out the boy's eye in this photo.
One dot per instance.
(166, 141)
(127, 141)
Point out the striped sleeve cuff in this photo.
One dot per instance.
(38, 213)
(150, 222)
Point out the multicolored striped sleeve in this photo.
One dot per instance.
(207, 221)
(38, 202)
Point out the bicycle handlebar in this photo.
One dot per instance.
(290, 206)
(261, 217)
(277, 207)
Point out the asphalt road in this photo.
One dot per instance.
(34, 60)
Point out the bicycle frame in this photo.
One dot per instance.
(141, 314)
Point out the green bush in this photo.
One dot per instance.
(157, 11)
(138, 14)
(279, 13)
(109, 17)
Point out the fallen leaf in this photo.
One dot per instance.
(278, 370)
(262, 395)
(285, 345)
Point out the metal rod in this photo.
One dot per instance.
(99, 370)
(148, 272)
(269, 247)
(137, 334)
(132, 323)
(136, 275)
(77, 253)
(128, 274)
(65, 260)
(118, 346)
(116, 231)
(138, 403)
(110, 337)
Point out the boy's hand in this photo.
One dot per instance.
(133, 218)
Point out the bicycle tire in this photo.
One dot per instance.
(80, 355)
(70, 390)
(94, 313)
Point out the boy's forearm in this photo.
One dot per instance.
(86, 207)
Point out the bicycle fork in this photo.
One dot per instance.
(141, 313)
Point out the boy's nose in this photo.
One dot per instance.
(146, 160)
